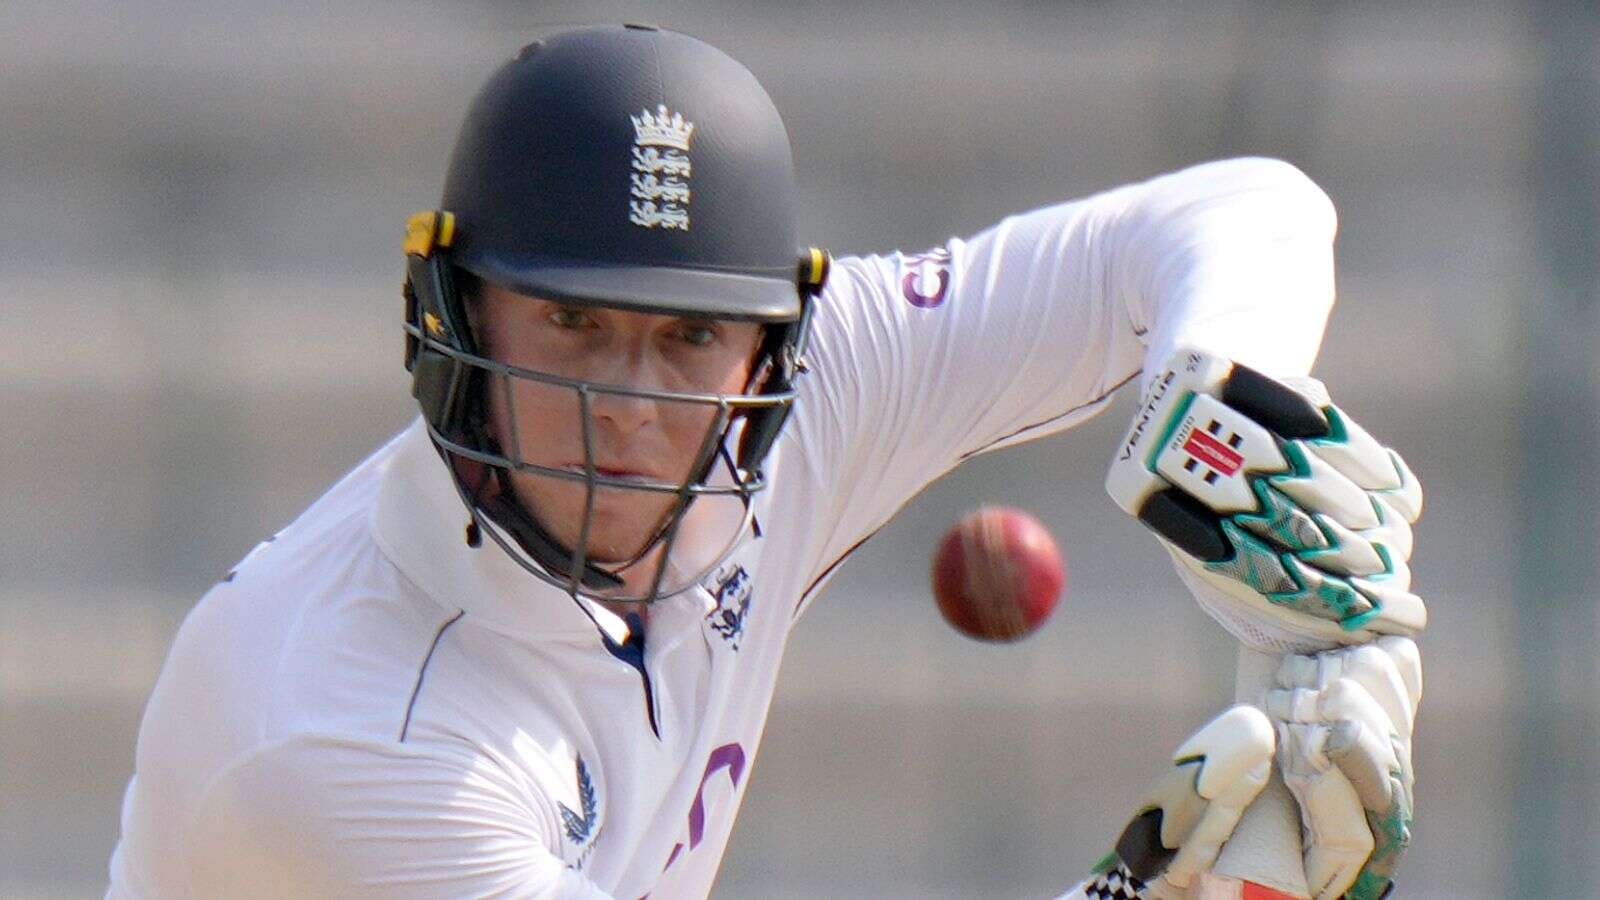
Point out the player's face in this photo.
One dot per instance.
(633, 437)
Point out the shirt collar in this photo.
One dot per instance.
(420, 524)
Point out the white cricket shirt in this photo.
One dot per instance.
(368, 707)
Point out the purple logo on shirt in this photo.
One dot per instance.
(915, 283)
(727, 756)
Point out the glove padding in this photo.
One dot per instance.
(1344, 721)
(1288, 521)
(1339, 724)
(1191, 813)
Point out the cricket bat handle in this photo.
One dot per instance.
(1262, 860)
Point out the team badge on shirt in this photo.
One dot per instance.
(733, 593)
(580, 828)
(660, 177)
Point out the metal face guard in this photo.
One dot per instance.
(710, 512)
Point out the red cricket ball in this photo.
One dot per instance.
(997, 574)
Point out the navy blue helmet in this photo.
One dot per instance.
(626, 167)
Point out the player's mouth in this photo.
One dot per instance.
(617, 472)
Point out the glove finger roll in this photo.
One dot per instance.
(1281, 522)
(1338, 838)
(1193, 809)
(1406, 499)
(1355, 453)
(1316, 485)
(1400, 611)
(1323, 594)
(1378, 674)
(1368, 760)
(1391, 830)
(1348, 553)
(1235, 750)
(1345, 700)
(1407, 663)
(1395, 530)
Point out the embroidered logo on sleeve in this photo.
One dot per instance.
(661, 168)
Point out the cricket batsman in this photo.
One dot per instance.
(527, 648)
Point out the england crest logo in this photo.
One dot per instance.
(659, 184)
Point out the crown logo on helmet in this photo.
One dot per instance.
(661, 129)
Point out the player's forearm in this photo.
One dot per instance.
(1234, 257)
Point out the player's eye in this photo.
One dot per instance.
(569, 317)
(700, 334)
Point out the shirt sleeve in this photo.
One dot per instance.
(332, 817)
(921, 361)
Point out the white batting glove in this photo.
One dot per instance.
(1289, 522)
(1193, 810)
(1344, 720)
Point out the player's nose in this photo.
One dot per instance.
(624, 413)
(628, 413)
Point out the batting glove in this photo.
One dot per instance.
(1289, 522)
(1177, 834)
(1344, 721)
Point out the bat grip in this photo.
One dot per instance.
(1265, 849)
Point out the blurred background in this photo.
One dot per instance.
(200, 278)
